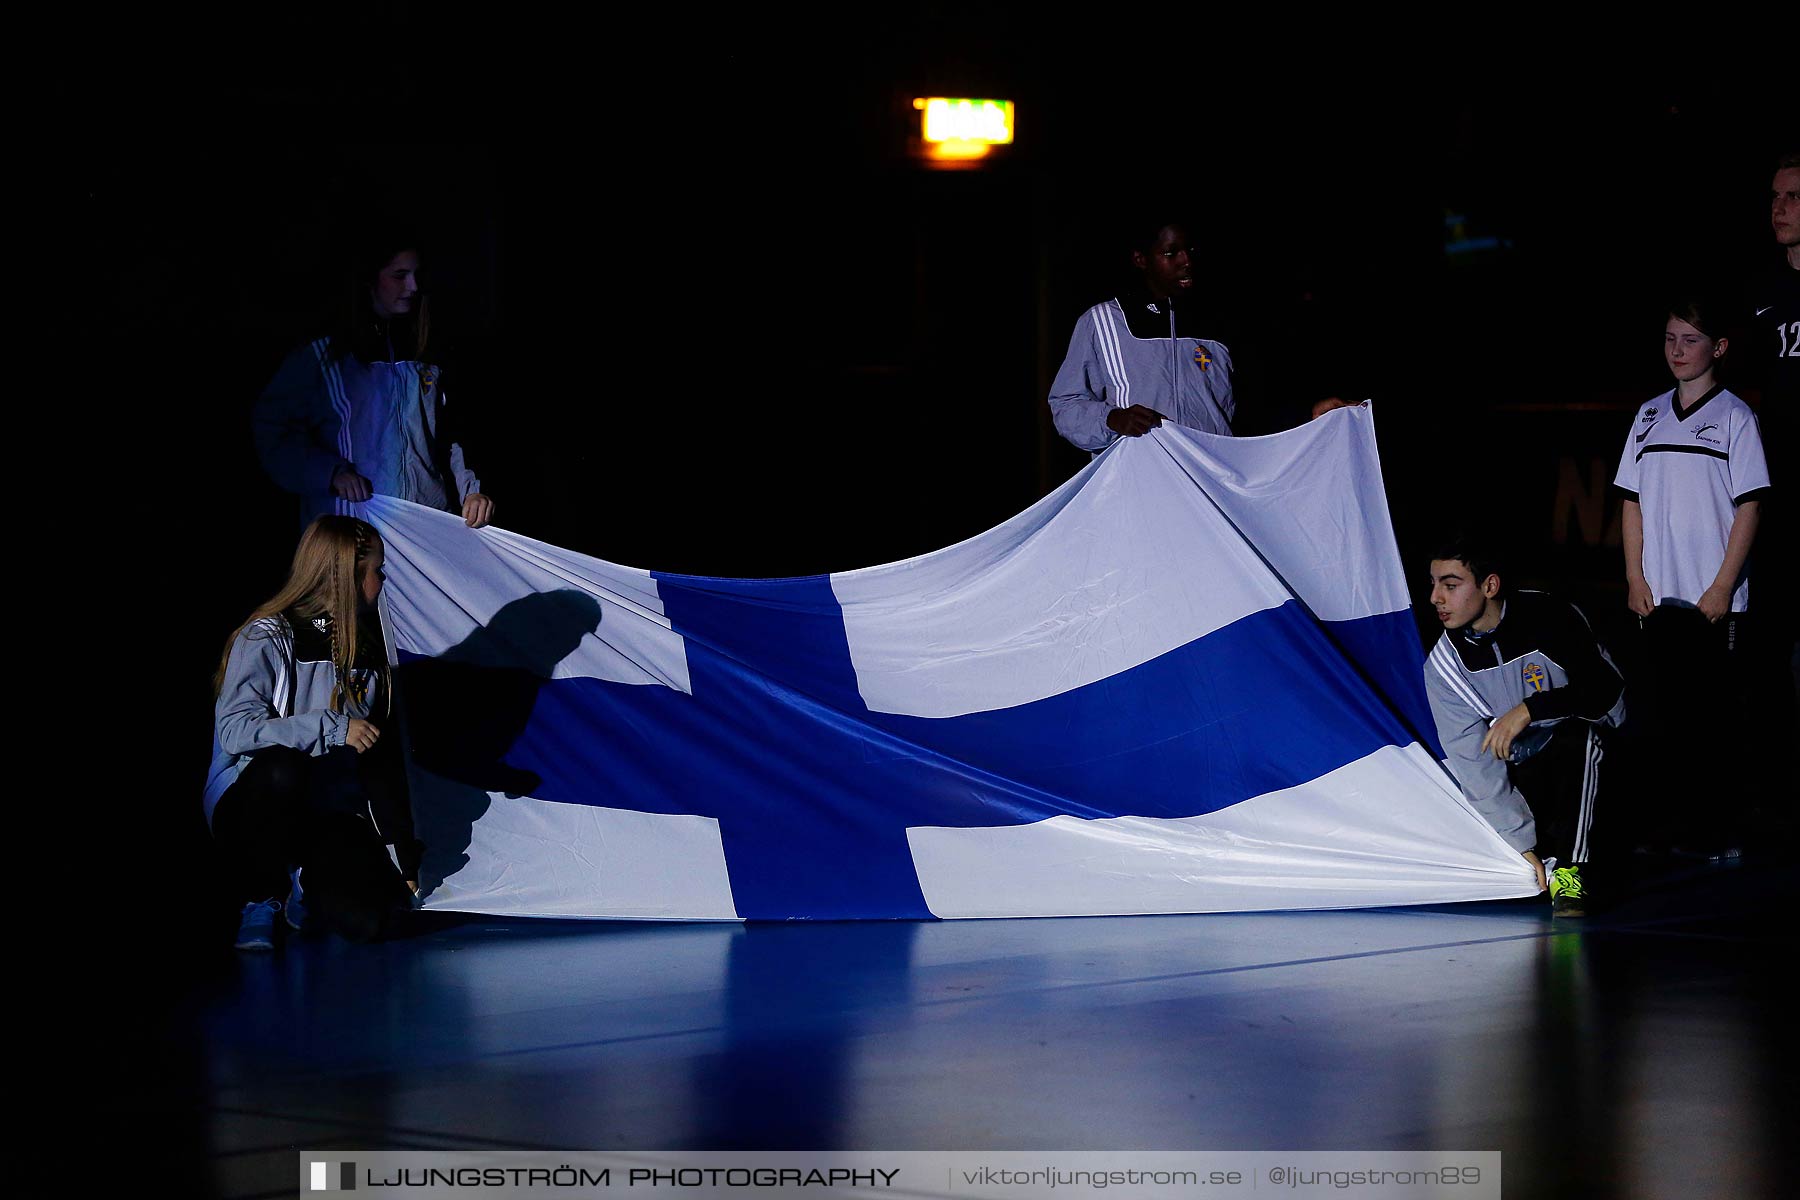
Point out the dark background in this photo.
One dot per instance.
(708, 314)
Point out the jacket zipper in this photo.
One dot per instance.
(1174, 364)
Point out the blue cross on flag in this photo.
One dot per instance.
(1187, 680)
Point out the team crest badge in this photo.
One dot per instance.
(1200, 357)
(1535, 680)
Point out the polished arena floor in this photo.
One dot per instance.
(1645, 1051)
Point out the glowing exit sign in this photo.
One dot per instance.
(965, 128)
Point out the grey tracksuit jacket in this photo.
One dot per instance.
(387, 420)
(277, 692)
(1542, 655)
(1137, 350)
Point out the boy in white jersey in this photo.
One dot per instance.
(1693, 474)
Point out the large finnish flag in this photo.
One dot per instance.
(1185, 681)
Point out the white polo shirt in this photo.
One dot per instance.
(1689, 470)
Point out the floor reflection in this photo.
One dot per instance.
(1642, 1053)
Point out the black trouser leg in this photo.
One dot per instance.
(1560, 783)
(1695, 707)
(351, 884)
(382, 775)
(260, 823)
(1701, 672)
(290, 809)
(1726, 786)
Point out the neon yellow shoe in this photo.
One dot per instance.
(1567, 899)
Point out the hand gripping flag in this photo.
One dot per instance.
(1186, 681)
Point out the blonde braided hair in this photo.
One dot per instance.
(322, 582)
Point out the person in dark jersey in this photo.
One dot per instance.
(1772, 361)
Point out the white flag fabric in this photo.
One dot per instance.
(1188, 680)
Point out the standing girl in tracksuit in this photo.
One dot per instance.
(364, 411)
(307, 787)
